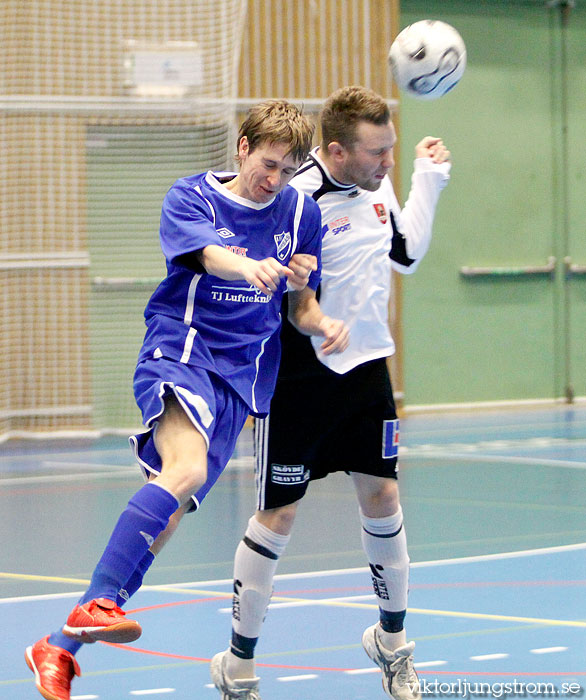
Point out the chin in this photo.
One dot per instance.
(372, 185)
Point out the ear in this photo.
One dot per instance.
(336, 151)
(243, 147)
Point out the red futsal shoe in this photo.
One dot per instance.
(101, 620)
(54, 669)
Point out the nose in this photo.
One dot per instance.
(388, 161)
(273, 179)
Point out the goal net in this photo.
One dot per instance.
(102, 106)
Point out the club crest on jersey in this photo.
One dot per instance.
(283, 242)
(381, 212)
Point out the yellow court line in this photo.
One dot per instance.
(55, 579)
(326, 603)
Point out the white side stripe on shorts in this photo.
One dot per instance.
(261, 446)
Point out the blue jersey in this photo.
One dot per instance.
(227, 327)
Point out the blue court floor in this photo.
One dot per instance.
(495, 510)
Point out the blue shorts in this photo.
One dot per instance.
(213, 407)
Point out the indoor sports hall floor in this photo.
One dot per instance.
(495, 508)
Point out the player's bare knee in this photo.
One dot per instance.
(183, 479)
(279, 520)
(378, 497)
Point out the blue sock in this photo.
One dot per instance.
(135, 580)
(60, 640)
(144, 518)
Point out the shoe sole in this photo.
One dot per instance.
(28, 657)
(216, 670)
(122, 633)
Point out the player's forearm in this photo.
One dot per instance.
(221, 262)
(304, 312)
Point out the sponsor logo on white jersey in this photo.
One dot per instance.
(283, 242)
(339, 225)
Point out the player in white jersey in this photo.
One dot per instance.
(233, 244)
(365, 234)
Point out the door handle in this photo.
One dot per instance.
(573, 269)
(522, 271)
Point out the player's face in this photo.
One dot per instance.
(265, 171)
(371, 158)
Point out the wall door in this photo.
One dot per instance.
(492, 313)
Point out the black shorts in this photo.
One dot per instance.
(323, 424)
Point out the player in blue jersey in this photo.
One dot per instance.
(234, 243)
(366, 235)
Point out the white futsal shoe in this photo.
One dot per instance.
(240, 688)
(400, 681)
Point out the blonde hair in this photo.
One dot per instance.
(278, 121)
(345, 109)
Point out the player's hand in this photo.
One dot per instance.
(301, 264)
(336, 333)
(434, 148)
(265, 274)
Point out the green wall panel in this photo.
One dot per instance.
(499, 338)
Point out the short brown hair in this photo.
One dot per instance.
(278, 121)
(345, 108)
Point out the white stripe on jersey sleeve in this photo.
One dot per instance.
(197, 188)
(297, 219)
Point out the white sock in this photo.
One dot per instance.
(385, 545)
(255, 565)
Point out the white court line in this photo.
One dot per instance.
(473, 457)
(309, 602)
(86, 476)
(428, 664)
(290, 679)
(489, 657)
(548, 650)
(153, 691)
(331, 572)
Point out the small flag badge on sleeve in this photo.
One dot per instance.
(390, 438)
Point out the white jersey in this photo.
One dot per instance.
(364, 235)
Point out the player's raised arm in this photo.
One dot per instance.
(263, 274)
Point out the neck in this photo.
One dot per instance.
(334, 168)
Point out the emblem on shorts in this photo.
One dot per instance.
(381, 212)
(390, 438)
(289, 474)
(283, 241)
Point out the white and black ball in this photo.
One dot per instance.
(427, 59)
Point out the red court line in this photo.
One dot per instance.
(462, 674)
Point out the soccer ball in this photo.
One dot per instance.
(427, 59)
